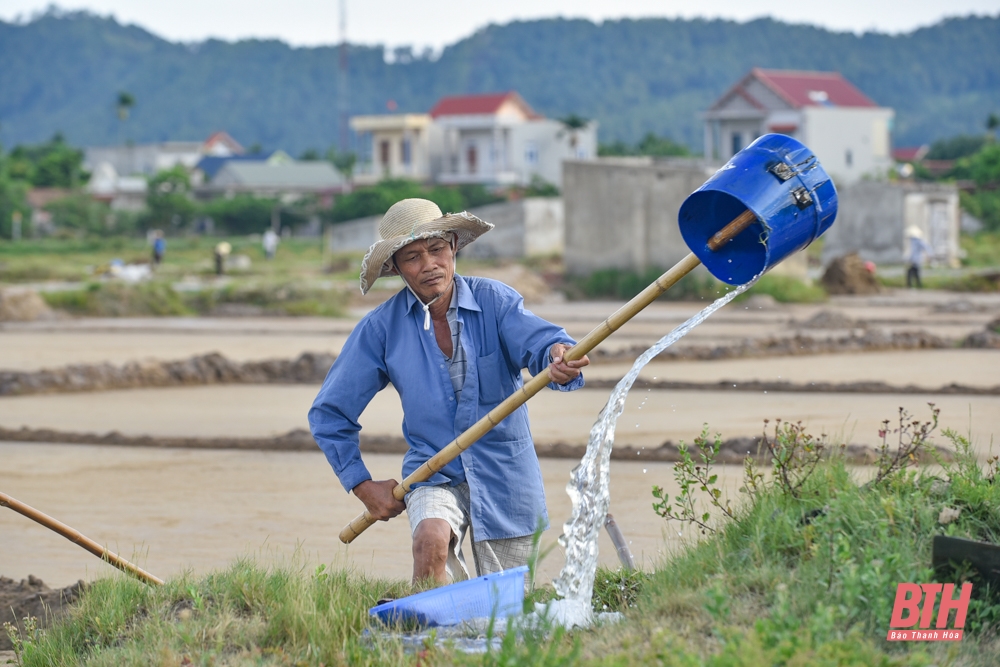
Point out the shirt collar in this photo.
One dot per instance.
(463, 294)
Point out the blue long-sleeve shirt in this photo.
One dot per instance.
(390, 344)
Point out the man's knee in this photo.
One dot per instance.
(431, 541)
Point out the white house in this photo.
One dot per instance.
(148, 159)
(498, 139)
(847, 130)
(393, 146)
(494, 139)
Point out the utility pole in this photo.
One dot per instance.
(342, 87)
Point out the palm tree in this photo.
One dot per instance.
(573, 124)
(124, 105)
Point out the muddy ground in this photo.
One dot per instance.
(31, 598)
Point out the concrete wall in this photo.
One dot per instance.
(354, 235)
(528, 227)
(873, 216)
(622, 212)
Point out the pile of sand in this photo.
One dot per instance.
(22, 305)
(527, 283)
(828, 319)
(848, 275)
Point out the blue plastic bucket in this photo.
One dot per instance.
(782, 182)
(491, 596)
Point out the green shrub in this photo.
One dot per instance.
(114, 299)
(786, 289)
(624, 284)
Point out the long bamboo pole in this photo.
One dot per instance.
(78, 538)
(537, 383)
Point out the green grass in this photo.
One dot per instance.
(79, 259)
(625, 284)
(963, 283)
(981, 250)
(786, 289)
(621, 284)
(803, 578)
(158, 298)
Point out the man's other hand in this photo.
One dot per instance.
(378, 498)
(562, 371)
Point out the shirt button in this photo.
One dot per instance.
(451, 398)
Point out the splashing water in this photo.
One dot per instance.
(588, 486)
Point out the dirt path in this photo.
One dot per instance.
(651, 416)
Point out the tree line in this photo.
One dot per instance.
(633, 76)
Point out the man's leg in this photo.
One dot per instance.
(438, 518)
(431, 545)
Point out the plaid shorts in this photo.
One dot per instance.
(452, 504)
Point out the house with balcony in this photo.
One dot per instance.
(494, 139)
(849, 132)
(498, 139)
(393, 146)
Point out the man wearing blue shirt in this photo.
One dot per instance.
(453, 348)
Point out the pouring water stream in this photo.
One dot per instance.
(588, 486)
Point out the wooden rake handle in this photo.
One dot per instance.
(78, 538)
(540, 381)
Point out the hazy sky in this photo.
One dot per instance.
(439, 22)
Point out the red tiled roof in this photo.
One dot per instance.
(802, 89)
(478, 104)
(224, 137)
(909, 154)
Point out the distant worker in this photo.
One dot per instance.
(270, 243)
(159, 247)
(222, 251)
(917, 253)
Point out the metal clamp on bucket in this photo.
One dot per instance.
(782, 184)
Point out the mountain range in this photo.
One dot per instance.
(63, 71)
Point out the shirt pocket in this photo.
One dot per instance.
(494, 380)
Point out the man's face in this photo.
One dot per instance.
(427, 265)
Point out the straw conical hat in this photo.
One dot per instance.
(412, 220)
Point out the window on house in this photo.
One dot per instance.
(848, 158)
(737, 142)
(406, 151)
(531, 153)
(383, 153)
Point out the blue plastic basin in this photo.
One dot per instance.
(490, 596)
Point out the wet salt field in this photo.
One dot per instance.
(178, 510)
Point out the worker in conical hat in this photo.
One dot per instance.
(453, 347)
(917, 252)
